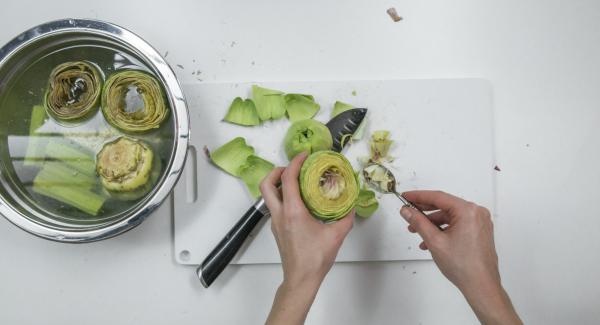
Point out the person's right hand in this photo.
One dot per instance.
(464, 251)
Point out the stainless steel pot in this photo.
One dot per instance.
(53, 35)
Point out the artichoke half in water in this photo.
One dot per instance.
(307, 135)
(328, 185)
(125, 167)
(133, 101)
(73, 91)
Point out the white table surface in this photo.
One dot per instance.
(543, 59)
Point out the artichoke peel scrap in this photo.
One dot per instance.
(300, 107)
(242, 112)
(238, 159)
(270, 104)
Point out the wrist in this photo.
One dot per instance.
(491, 303)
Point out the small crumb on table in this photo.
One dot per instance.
(394, 15)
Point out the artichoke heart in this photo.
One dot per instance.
(328, 185)
(73, 91)
(307, 135)
(133, 101)
(124, 165)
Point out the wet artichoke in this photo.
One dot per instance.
(73, 91)
(328, 185)
(125, 166)
(307, 135)
(133, 101)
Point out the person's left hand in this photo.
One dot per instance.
(307, 246)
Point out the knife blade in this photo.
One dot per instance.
(340, 126)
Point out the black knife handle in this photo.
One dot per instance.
(222, 254)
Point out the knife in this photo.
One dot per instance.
(341, 125)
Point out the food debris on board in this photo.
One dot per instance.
(496, 168)
(180, 66)
(393, 14)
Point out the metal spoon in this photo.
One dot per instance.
(383, 181)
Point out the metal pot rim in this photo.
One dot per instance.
(178, 106)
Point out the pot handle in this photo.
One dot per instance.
(223, 253)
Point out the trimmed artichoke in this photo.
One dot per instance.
(73, 91)
(125, 166)
(133, 101)
(307, 135)
(328, 185)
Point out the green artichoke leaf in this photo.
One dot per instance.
(232, 155)
(366, 204)
(328, 185)
(306, 135)
(300, 107)
(270, 104)
(253, 172)
(242, 112)
(380, 145)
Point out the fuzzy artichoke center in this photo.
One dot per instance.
(332, 184)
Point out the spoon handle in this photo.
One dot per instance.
(408, 203)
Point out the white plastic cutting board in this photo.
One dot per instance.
(443, 132)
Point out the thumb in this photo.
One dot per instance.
(421, 223)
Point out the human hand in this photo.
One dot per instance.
(307, 246)
(464, 251)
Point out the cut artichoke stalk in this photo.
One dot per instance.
(380, 146)
(300, 107)
(366, 204)
(242, 112)
(253, 172)
(232, 155)
(73, 91)
(340, 107)
(328, 185)
(72, 186)
(35, 148)
(270, 104)
(307, 135)
(125, 166)
(133, 101)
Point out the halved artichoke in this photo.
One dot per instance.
(328, 185)
(125, 166)
(73, 91)
(133, 101)
(307, 135)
